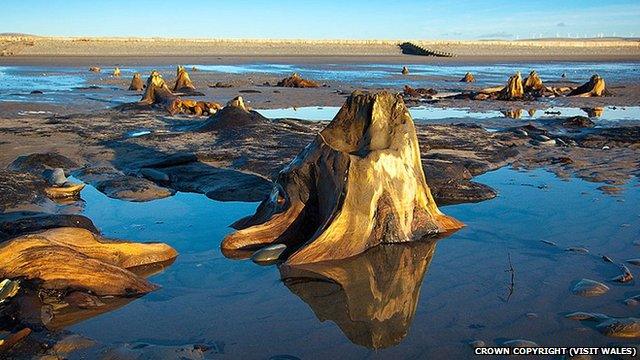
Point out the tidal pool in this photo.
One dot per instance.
(424, 300)
(428, 114)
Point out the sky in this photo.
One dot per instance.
(328, 19)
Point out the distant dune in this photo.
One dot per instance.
(32, 46)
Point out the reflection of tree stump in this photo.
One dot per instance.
(468, 77)
(183, 81)
(372, 297)
(74, 258)
(594, 87)
(513, 90)
(136, 83)
(360, 183)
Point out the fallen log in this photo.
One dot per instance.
(75, 258)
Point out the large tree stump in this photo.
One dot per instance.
(183, 81)
(514, 89)
(359, 184)
(533, 83)
(372, 297)
(75, 258)
(157, 92)
(594, 87)
(136, 83)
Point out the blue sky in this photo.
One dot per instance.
(345, 19)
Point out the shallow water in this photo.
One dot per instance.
(246, 311)
(386, 75)
(427, 114)
(60, 84)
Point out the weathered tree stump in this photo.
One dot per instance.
(514, 89)
(183, 81)
(468, 77)
(533, 82)
(136, 83)
(405, 70)
(296, 81)
(117, 72)
(75, 258)
(592, 88)
(359, 184)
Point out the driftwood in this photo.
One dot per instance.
(136, 83)
(183, 81)
(372, 297)
(296, 81)
(468, 77)
(594, 87)
(359, 184)
(75, 258)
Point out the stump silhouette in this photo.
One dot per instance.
(75, 258)
(592, 88)
(514, 89)
(468, 77)
(136, 83)
(359, 184)
(183, 81)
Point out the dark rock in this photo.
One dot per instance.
(14, 224)
(589, 288)
(578, 122)
(38, 162)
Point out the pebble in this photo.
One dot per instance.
(548, 242)
(577, 249)
(531, 315)
(477, 343)
(55, 177)
(8, 289)
(634, 262)
(586, 287)
(631, 302)
(605, 147)
(521, 132)
(581, 315)
(268, 253)
(540, 137)
(626, 275)
(607, 259)
(622, 327)
(520, 343)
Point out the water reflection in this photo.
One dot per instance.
(372, 297)
(594, 112)
(512, 113)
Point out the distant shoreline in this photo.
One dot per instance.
(542, 49)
